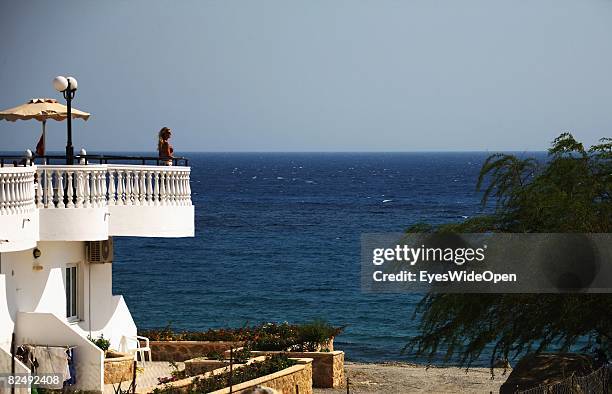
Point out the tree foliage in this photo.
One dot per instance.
(570, 192)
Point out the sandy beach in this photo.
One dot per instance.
(411, 378)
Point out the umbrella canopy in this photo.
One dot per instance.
(41, 109)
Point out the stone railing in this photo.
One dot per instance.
(94, 186)
(16, 190)
(148, 185)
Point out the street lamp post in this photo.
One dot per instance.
(68, 87)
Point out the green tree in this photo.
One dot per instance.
(570, 192)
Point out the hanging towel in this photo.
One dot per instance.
(52, 360)
(25, 354)
(71, 378)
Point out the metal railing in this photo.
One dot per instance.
(23, 160)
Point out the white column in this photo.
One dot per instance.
(38, 189)
(111, 187)
(102, 188)
(94, 189)
(32, 190)
(48, 198)
(99, 191)
(182, 187)
(156, 194)
(78, 180)
(120, 192)
(129, 194)
(18, 193)
(163, 196)
(25, 190)
(2, 195)
(171, 188)
(60, 189)
(87, 189)
(136, 188)
(11, 193)
(141, 187)
(188, 188)
(69, 191)
(149, 182)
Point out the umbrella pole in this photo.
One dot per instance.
(44, 124)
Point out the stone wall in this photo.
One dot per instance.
(329, 346)
(200, 365)
(185, 350)
(297, 378)
(327, 367)
(118, 367)
(284, 381)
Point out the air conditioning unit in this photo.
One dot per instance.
(100, 252)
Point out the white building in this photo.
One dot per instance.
(56, 224)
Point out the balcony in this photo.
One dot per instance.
(54, 202)
(18, 214)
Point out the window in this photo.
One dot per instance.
(72, 281)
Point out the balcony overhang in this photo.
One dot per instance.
(18, 214)
(93, 202)
(151, 221)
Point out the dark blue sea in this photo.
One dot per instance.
(277, 239)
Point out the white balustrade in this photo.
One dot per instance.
(17, 190)
(85, 186)
(148, 185)
(76, 186)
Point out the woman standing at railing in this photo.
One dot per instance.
(166, 152)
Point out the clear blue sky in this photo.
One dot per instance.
(313, 75)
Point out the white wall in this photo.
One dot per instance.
(73, 224)
(18, 231)
(6, 330)
(8, 322)
(29, 290)
(18, 214)
(40, 293)
(148, 209)
(152, 221)
(48, 329)
(5, 367)
(107, 314)
(89, 224)
(114, 322)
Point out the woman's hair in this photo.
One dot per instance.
(163, 131)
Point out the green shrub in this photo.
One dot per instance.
(241, 356)
(304, 337)
(315, 335)
(100, 342)
(215, 355)
(266, 336)
(252, 371)
(220, 334)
